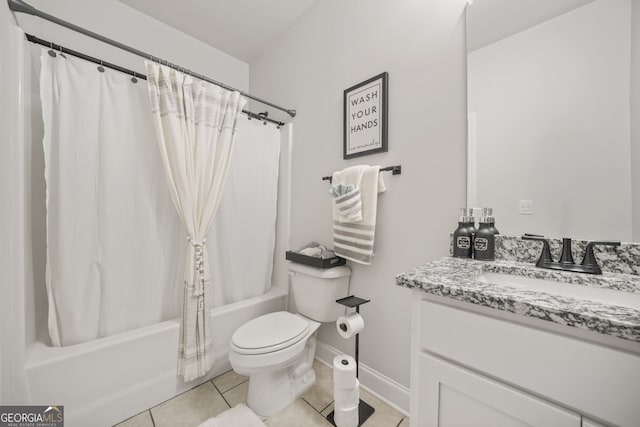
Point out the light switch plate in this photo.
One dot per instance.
(525, 207)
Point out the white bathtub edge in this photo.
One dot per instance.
(104, 382)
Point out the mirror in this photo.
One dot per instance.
(554, 135)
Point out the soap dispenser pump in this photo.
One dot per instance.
(484, 244)
(472, 220)
(463, 235)
(488, 214)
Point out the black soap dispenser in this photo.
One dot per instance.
(463, 235)
(484, 244)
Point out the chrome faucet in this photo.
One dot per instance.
(588, 265)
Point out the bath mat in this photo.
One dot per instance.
(238, 416)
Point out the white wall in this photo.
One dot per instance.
(552, 119)
(23, 298)
(635, 118)
(335, 45)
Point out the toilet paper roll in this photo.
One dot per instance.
(347, 398)
(347, 417)
(344, 373)
(350, 325)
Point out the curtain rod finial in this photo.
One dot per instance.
(20, 6)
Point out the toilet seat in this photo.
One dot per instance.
(270, 332)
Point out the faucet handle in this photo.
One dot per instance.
(545, 256)
(590, 260)
(532, 235)
(567, 256)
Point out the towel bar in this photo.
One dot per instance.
(395, 170)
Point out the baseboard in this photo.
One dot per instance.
(394, 394)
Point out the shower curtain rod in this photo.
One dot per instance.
(22, 7)
(58, 49)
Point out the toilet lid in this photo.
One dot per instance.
(270, 332)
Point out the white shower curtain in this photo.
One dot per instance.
(115, 244)
(111, 228)
(242, 238)
(195, 124)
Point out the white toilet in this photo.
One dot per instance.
(276, 351)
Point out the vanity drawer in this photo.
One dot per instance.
(592, 379)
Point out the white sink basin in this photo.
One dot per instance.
(583, 292)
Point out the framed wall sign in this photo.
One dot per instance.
(365, 117)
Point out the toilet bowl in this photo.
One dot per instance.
(276, 350)
(280, 366)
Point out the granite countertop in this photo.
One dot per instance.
(458, 279)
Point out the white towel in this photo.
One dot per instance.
(238, 416)
(353, 239)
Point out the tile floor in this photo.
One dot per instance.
(209, 399)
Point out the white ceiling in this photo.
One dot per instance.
(491, 20)
(241, 28)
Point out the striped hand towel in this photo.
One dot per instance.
(348, 201)
(353, 239)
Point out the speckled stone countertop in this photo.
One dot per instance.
(458, 279)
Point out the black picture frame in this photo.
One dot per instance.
(365, 115)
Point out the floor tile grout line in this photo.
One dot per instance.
(323, 409)
(137, 415)
(237, 385)
(186, 391)
(221, 393)
(320, 413)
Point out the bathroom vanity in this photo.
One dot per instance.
(504, 343)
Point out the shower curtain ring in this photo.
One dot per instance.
(100, 67)
(51, 52)
(61, 53)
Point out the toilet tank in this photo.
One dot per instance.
(315, 290)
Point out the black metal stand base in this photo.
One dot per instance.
(364, 413)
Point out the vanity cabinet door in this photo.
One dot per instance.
(452, 396)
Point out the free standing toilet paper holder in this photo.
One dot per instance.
(364, 409)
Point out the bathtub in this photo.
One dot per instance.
(105, 381)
